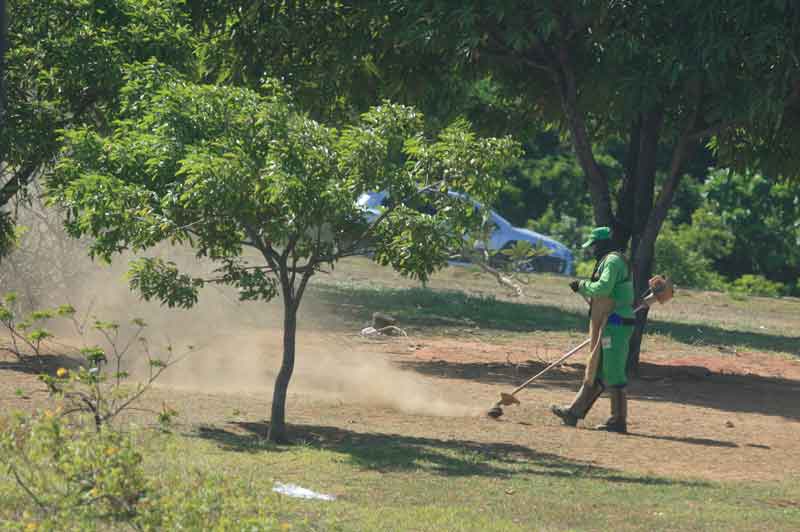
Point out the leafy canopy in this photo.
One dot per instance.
(224, 168)
(64, 67)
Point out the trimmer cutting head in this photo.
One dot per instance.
(495, 412)
(506, 399)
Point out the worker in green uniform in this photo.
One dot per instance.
(611, 285)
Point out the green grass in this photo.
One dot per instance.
(435, 310)
(223, 480)
(755, 314)
(395, 482)
(215, 479)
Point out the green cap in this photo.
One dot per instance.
(598, 233)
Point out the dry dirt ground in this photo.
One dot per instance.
(696, 412)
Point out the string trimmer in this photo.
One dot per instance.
(659, 289)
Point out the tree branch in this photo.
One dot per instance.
(380, 218)
(267, 251)
(502, 50)
(664, 201)
(18, 181)
(595, 177)
(791, 99)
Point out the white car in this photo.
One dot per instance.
(504, 236)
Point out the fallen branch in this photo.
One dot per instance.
(508, 282)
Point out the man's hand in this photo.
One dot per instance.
(574, 285)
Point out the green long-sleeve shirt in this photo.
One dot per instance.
(612, 280)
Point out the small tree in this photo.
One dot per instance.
(224, 169)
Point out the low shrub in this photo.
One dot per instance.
(57, 474)
(756, 285)
(71, 472)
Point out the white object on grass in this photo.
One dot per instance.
(389, 330)
(302, 493)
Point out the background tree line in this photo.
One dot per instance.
(727, 230)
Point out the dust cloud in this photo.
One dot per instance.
(230, 346)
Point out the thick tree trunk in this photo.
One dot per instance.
(626, 199)
(642, 270)
(277, 426)
(641, 205)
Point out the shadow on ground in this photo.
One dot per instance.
(399, 453)
(709, 442)
(692, 385)
(427, 309)
(36, 365)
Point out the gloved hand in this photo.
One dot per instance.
(574, 285)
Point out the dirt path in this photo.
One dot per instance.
(698, 413)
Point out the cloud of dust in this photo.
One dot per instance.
(329, 366)
(237, 346)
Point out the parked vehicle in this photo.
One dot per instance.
(503, 236)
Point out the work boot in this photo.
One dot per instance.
(567, 417)
(618, 422)
(582, 403)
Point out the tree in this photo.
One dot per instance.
(226, 169)
(663, 76)
(63, 68)
(763, 219)
(326, 53)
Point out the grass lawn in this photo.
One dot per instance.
(222, 480)
(398, 483)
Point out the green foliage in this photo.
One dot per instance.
(26, 335)
(618, 74)
(73, 474)
(763, 217)
(69, 477)
(584, 269)
(100, 386)
(565, 229)
(224, 168)
(687, 266)
(522, 252)
(154, 277)
(64, 68)
(548, 185)
(8, 234)
(756, 285)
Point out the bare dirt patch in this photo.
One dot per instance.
(713, 416)
(705, 413)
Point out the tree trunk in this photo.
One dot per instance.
(576, 121)
(3, 47)
(642, 270)
(641, 205)
(626, 199)
(277, 425)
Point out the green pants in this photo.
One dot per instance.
(615, 346)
